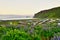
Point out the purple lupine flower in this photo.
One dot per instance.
(55, 38)
(58, 37)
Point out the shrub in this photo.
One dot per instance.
(16, 35)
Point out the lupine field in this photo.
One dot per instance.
(40, 29)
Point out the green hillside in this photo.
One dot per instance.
(50, 13)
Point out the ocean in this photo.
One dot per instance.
(14, 17)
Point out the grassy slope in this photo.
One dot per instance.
(51, 13)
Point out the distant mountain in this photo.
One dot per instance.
(50, 13)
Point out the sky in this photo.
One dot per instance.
(26, 7)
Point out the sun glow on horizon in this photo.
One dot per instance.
(25, 7)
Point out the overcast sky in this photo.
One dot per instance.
(26, 7)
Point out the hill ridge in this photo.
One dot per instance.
(50, 13)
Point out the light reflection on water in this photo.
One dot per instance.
(15, 18)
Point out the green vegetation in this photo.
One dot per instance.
(45, 31)
(51, 13)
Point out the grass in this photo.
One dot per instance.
(26, 30)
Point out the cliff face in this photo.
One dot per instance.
(50, 13)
